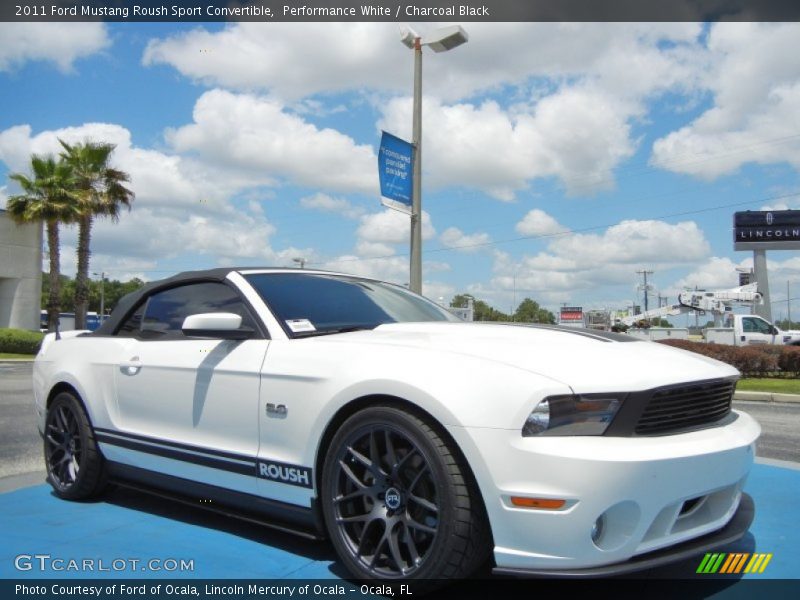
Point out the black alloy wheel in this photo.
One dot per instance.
(75, 468)
(396, 503)
(63, 446)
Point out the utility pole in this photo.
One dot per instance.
(644, 273)
(788, 305)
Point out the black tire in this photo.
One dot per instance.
(75, 467)
(431, 525)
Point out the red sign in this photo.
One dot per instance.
(571, 313)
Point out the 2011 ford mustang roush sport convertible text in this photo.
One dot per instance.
(420, 445)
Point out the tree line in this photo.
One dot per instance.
(106, 293)
(528, 311)
(75, 187)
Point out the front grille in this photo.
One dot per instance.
(675, 408)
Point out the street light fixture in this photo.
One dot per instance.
(301, 261)
(439, 40)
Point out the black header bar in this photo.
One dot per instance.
(398, 10)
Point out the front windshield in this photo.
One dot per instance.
(313, 303)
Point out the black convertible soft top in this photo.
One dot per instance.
(126, 303)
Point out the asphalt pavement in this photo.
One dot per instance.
(20, 444)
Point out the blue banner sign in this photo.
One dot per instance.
(395, 170)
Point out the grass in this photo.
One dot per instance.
(778, 386)
(12, 355)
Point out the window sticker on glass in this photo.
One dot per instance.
(300, 325)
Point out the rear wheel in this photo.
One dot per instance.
(398, 503)
(75, 467)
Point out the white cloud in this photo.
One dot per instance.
(366, 249)
(326, 203)
(182, 206)
(717, 273)
(578, 134)
(393, 268)
(257, 137)
(754, 77)
(171, 233)
(636, 242)
(331, 57)
(392, 227)
(157, 178)
(578, 263)
(453, 237)
(578, 89)
(50, 42)
(323, 56)
(538, 223)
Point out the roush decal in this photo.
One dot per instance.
(285, 473)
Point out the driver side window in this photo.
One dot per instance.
(161, 316)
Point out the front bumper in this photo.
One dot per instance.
(650, 494)
(733, 531)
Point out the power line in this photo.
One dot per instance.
(564, 233)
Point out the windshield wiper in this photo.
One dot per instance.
(303, 334)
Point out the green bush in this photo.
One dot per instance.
(20, 341)
(752, 361)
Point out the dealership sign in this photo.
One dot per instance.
(395, 171)
(766, 230)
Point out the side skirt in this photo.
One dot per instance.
(288, 518)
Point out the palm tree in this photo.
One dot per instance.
(101, 192)
(47, 197)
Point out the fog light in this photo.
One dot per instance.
(597, 528)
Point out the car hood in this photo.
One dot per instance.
(586, 360)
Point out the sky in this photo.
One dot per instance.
(558, 159)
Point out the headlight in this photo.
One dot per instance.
(589, 414)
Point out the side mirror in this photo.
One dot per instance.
(773, 330)
(226, 326)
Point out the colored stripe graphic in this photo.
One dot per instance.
(733, 563)
(758, 563)
(711, 563)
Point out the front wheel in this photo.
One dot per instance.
(75, 467)
(398, 502)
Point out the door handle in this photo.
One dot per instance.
(130, 367)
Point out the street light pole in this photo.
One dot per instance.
(440, 40)
(415, 282)
(102, 294)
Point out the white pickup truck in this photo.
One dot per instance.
(751, 330)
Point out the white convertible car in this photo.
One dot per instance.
(421, 446)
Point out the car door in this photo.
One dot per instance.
(756, 331)
(189, 407)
